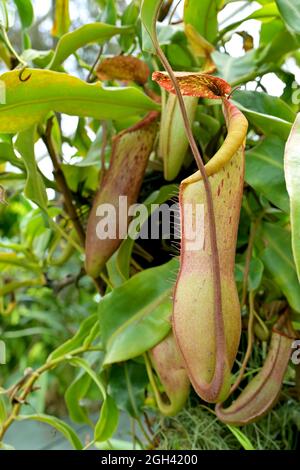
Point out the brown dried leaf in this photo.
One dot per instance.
(127, 68)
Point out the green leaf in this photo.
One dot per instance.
(149, 12)
(264, 171)
(26, 13)
(29, 102)
(110, 13)
(108, 420)
(241, 437)
(265, 13)
(281, 44)
(255, 274)
(267, 113)
(109, 415)
(290, 12)
(118, 386)
(234, 69)
(278, 260)
(83, 364)
(78, 339)
(87, 34)
(39, 58)
(118, 444)
(74, 393)
(135, 316)
(129, 17)
(3, 412)
(292, 178)
(203, 16)
(57, 424)
(7, 154)
(34, 189)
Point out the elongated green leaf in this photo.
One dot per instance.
(78, 339)
(264, 171)
(241, 437)
(135, 316)
(292, 178)
(3, 412)
(29, 102)
(149, 13)
(278, 260)
(203, 16)
(117, 444)
(26, 13)
(57, 424)
(265, 13)
(109, 415)
(290, 12)
(87, 34)
(74, 393)
(83, 364)
(108, 420)
(11, 259)
(34, 188)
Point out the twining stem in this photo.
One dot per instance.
(62, 183)
(174, 11)
(27, 385)
(67, 195)
(103, 150)
(249, 345)
(249, 251)
(10, 47)
(91, 72)
(209, 199)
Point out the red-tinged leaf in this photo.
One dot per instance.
(200, 84)
(127, 68)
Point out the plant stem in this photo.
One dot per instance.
(10, 47)
(67, 195)
(91, 72)
(28, 385)
(249, 345)
(62, 183)
(253, 231)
